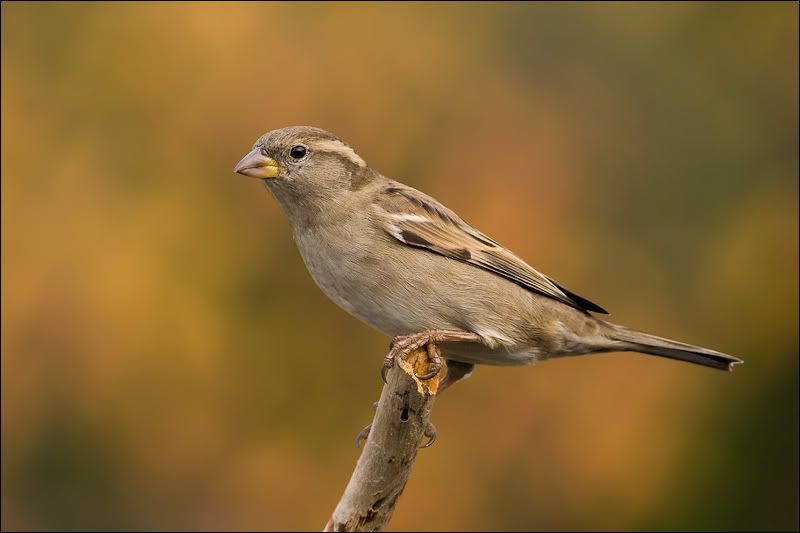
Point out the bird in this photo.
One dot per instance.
(403, 263)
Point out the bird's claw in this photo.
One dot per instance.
(402, 346)
(397, 348)
(362, 435)
(429, 375)
(434, 361)
(430, 432)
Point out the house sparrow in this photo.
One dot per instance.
(407, 265)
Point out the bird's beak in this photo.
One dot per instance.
(257, 165)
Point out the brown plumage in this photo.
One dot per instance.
(423, 222)
(403, 263)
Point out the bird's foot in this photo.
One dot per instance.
(401, 346)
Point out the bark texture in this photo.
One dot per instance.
(384, 466)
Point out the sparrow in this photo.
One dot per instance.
(405, 264)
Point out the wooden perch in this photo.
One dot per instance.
(385, 464)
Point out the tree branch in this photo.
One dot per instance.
(385, 464)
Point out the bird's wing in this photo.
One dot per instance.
(418, 220)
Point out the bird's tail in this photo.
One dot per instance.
(636, 341)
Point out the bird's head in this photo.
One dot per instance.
(304, 166)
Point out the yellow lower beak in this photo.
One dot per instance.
(257, 165)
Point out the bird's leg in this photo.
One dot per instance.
(403, 345)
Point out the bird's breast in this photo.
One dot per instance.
(345, 265)
(400, 290)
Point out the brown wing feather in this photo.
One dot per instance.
(416, 219)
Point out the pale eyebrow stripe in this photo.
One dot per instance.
(340, 148)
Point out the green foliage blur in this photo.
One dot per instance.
(168, 363)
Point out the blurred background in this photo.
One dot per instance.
(168, 363)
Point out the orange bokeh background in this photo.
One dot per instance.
(167, 362)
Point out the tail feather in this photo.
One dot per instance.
(637, 341)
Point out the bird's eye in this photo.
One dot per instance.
(298, 152)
